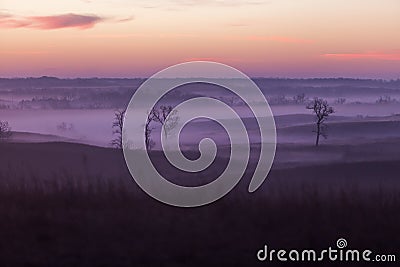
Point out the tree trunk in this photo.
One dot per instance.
(318, 133)
(165, 131)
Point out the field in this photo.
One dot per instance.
(76, 205)
(67, 198)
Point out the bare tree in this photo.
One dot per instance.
(5, 130)
(148, 129)
(65, 127)
(386, 100)
(117, 126)
(322, 110)
(340, 101)
(159, 115)
(166, 116)
(300, 98)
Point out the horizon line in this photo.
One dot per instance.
(252, 77)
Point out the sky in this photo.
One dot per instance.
(136, 38)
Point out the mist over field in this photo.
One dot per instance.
(83, 109)
(101, 166)
(67, 198)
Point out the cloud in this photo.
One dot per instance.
(366, 55)
(124, 19)
(65, 21)
(279, 39)
(69, 20)
(4, 15)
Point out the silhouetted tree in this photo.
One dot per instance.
(340, 101)
(300, 98)
(148, 129)
(166, 116)
(5, 130)
(117, 126)
(386, 100)
(64, 127)
(322, 110)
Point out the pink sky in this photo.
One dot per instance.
(275, 38)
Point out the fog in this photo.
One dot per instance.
(88, 126)
(83, 110)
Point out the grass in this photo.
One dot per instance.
(105, 225)
(88, 219)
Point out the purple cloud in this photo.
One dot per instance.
(69, 20)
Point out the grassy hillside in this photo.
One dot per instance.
(75, 205)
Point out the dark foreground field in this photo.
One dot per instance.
(75, 205)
